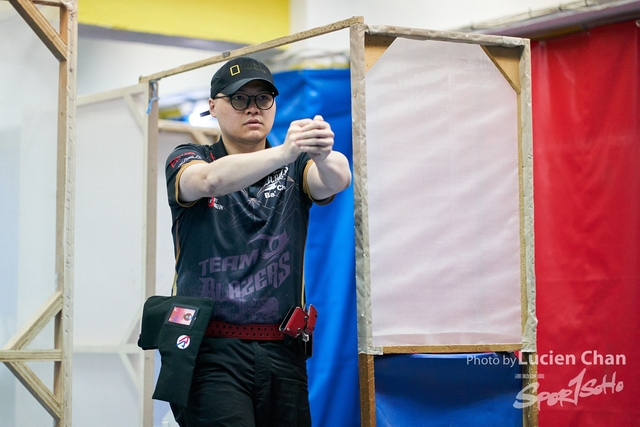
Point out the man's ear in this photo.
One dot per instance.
(212, 107)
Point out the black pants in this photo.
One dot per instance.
(238, 383)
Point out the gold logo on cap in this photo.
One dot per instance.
(235, 70)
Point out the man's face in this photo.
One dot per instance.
(251, 125)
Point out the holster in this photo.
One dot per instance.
(300, 324)
(175, 326)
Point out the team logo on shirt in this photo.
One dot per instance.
(183, 158)
(275, 183)
(273, 272)
(213, 203)
(274, 245)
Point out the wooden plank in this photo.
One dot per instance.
(56, 403)
(148, 385)
(37, 388)
(454, 348)
(30, 355)
(43, 29)
(200, 138)
(282, 41)
(150, 188)
(525, 176)
(58, 3)
(367, 390)
(507, 60)
(182, 127)
(524, 296)
(447, 36)
(374, 47)
(110, 94)
(530, 376)
(134, 109)
(361, 207)
(108, 348)
(39, 320)
(136, 379)
(150, 171)
(65, 208)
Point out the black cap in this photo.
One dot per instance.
(237, 73)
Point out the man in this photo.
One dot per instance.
(240, 211)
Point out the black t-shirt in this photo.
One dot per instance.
(244, 250)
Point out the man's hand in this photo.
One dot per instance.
(313, 137)
(330, 172)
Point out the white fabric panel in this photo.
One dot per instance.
(108, 239)
(442, 153)
(108, 263)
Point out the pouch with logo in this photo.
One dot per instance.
(175, 326)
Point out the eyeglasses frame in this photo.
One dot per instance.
(273, 99)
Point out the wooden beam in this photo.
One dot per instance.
(200, 138)
(182, 127)
(282, 41)
(530, 376)
(134, 109)
(43, 29)
(37, 388)
(367, 390)
(454, 348)
(65, 209)
(30, 330)
(374, 47)
(507, 60)
(30, 355)
(57, 3)
(150, 215)
(110, 94)
(129, 348)
(199, 135)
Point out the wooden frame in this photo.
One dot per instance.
(151, 125)
(512, 58)
(199, 135)
(62, 44)
(148, 124)
(14, 355)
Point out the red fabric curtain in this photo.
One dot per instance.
(586, 132)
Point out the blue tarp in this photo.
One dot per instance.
(411, 390)
(453, 390)
(330, 253)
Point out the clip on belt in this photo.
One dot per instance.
(246, 332)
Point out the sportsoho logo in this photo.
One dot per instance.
(576, 388)
(579, 387)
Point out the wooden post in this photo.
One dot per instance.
(59, 306)
(149, 209)
(367, 390)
